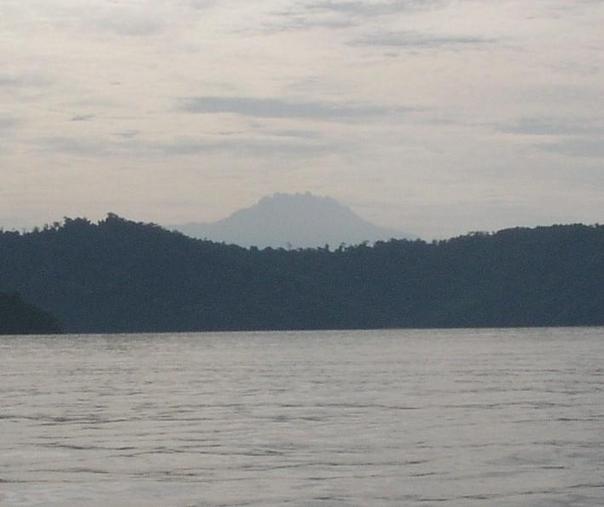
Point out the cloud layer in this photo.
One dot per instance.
(432, 116)
(284, 109)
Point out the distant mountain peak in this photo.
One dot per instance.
(298, 220)
(298, 200)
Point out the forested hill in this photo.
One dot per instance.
(19, 317)
(119, 275)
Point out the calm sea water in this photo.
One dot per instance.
(444, 418)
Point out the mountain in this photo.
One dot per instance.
(291, 221)
(122, 276)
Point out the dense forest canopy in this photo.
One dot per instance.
(118, 275)
(19, 317)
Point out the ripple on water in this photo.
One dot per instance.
(493, 417)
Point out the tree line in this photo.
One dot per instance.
(122, 276)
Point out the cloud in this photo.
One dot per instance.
(132, 18)
(343, 14)
(257, 146)
(200, 4)
(129, 24)
(372, 9)
(73, 146)
(417, 40)
(22, 80)
(127, 134)
(558, 9)
(278, 108)
(295, 133)
(10, 81)
(576, 137)
(551, 127)
(83, 117)
(8, 126)
(232, 145)
(7, 123)
(140, 18)
(302, 22)
(582, 148)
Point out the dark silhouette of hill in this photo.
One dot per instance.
(118, 275)
(19, 317)
(291, 221)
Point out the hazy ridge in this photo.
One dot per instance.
(292, 221)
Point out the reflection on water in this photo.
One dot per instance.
(457, 417)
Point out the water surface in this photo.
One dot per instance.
(419, 418)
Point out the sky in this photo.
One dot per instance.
(437, 117)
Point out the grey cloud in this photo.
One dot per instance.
(25, 80)
(200, 4)
(293, 133)
(417, 40)
(127, 134)
(559, 9)
(575, 137)
(144, 17)
(130, 26)
(10, 81)
(83, 117)
(8, 127)
(551, 127)
(134, 19)
(94, 148)
(343, 14)
(249, 146)
(276, 108)
(301, 22)
(7, 123)
(583, 148)
(72, 146)
(296, 134)
(258, 146)
(366, 9)
(574, 92)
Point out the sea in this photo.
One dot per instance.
(488, 417)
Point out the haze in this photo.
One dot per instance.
(437, 117)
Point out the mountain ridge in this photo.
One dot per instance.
(123, 276)
(292, 221)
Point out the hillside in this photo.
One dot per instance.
(118, 276)
(291, 221)
(19, 317)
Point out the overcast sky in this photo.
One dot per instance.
(437, 117)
